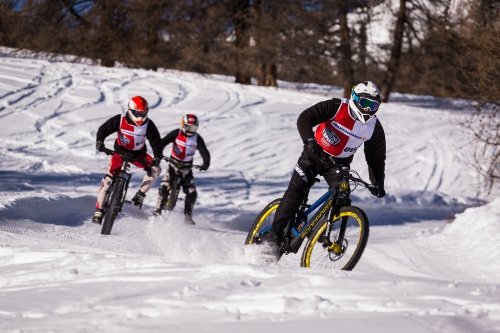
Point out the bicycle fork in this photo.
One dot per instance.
(336, 246)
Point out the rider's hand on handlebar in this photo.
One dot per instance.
(313, 147)
(99, 145)
(204, 167)
(155, 162)
(377, 191)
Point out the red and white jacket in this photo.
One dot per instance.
(341, 136)
(184, 147)
(131, 138)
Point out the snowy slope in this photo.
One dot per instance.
(57, 274)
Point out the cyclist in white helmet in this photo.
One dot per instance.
(343, 125)
(185, 142)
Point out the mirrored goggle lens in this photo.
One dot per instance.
(139, 114)
(191, 128)
(368, 104)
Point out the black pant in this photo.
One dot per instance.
(303, 177)
(188, 187)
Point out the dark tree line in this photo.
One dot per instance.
(433, 49)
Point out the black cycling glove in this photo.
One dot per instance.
(99, 145)
(312, 146)
(377, 191)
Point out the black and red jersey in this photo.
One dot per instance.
(184, 147)
(340, 135)
(131, 137)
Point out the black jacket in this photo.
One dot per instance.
(112, 125)
(200, 145)
(375, 148)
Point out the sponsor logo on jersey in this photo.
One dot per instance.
(330, 137)
(123, 138)
(350, 149)
(347, 131)
(177, 150)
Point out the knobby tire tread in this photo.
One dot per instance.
(114, 206)
(172, 199)
(257, 224)
(363, 238)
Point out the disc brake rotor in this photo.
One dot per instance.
(336, 250)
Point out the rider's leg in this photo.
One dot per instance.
(148, 179)
(164, 190)
(331, 174)
(189, 189)
(303, 178)
(147, 182)
(115, 163)
(101, 194)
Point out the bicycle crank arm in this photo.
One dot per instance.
(295, 244)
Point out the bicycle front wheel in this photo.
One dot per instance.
(115, 205)
(342, 248)
(262, 223)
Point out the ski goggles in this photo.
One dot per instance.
(190, 128)
(366, 104)
(139, 114)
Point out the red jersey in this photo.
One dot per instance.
(132, 137)
(341, 135)
(184, 147)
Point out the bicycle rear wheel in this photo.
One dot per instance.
(329, 251)
(263, 221)
(172, 198)
(115, 205)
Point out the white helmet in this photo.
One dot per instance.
(365, 101)
(189, 124)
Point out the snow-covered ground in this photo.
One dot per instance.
(432, 263)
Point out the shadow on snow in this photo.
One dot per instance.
(74, 211)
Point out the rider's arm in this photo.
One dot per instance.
(109, 127)
(202, 148)
(316, 115)
(154, 139)
(169, 138)
(375, 152)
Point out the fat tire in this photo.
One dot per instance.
(347, 211)
(261, 218)
(172, 199)
(115, 205)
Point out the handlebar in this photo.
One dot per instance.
(362, 182)
(109, 151)
(168, 159)
(125, 156)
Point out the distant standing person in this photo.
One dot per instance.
(185, 141)
(343, 125)
(133, 128)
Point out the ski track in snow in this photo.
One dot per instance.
(153, 270)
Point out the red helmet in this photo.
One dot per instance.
(189, 124)
(138, 109)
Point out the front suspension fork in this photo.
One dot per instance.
(336, 244)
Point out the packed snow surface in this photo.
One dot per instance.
(432, 263)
